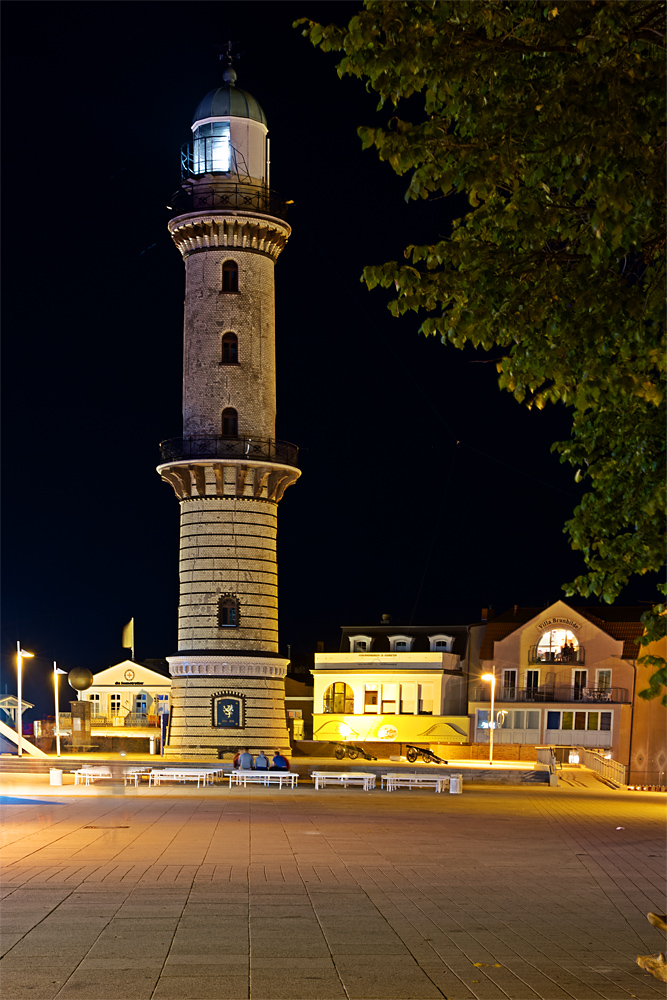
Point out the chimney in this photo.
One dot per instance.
(386, 619)
(516, 606)
(487, 612)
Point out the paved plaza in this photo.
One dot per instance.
(175, 893)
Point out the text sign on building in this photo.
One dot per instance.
(556, 622)
(228, 712)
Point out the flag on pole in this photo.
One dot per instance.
(128, 636)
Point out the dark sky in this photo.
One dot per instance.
(390, 515)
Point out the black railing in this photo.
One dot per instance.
(251, 448)
(199, 197)
(550, 693)
(576, 655)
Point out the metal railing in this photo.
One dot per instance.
(609, 769)
(537, 655)
(224, 194)
(551, 693)
(252, 448)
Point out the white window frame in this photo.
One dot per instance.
(587, 711)
(603, 670)
(354, 639)
(393, 639)
(441, 637)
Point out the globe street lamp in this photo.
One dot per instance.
(491, 677)
(20, 656)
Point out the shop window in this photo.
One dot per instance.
(371, 698)
(339, 699)
(230, 349)
(230, 276)
(578, 721)
(532, 720)
(426, 699)
(388, 699)
(230, 422)
(408, 694)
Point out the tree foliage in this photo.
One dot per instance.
(550, 118)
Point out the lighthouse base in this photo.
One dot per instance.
(222, 703)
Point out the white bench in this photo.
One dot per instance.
(404, 780)
(264, 778)
(87, 774)
(344, 778)
(157, 776)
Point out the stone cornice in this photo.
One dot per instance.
(199, 231)
(252, 480)
(227, 666)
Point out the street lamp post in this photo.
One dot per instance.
(56, 672)
(491, 677)
(20, 656)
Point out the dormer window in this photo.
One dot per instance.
(360, 643)
(211, 143)
(441, 643)
(230, 349)
(400, 643)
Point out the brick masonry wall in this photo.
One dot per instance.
(228, 546)
(191, 727)
(208, 385)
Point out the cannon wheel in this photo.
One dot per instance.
(339, 753)
(411, 755)
(352, 754)
(426, 758)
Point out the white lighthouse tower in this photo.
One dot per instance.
(227, 469)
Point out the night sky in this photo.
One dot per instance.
(391, 515)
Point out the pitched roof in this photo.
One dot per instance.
(618, 622)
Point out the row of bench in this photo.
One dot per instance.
(206, 775)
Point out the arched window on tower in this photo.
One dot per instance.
(230, 349)
(228, 612)
(230, 276)
(230, 423)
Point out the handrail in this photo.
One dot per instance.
(551, 693)
(612, 770)
(576, 655)
(251, 448)
(197, 196)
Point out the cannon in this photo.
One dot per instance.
(352, 751)
(413, 753)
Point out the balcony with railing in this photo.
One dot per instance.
(251, 448)
(224, 195)
(574, 654)
(551, 693)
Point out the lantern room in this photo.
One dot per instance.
(229, 138)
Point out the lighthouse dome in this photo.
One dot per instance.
(229, 100)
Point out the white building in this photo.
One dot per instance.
(395, 684)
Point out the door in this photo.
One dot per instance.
(508, 690)
(579, 684)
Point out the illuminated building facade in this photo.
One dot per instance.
(227, 470)
(394, 684)
(567, 677)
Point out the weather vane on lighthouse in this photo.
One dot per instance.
(228, 470)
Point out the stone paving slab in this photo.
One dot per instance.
(503, 893)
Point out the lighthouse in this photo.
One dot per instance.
(227, 469)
